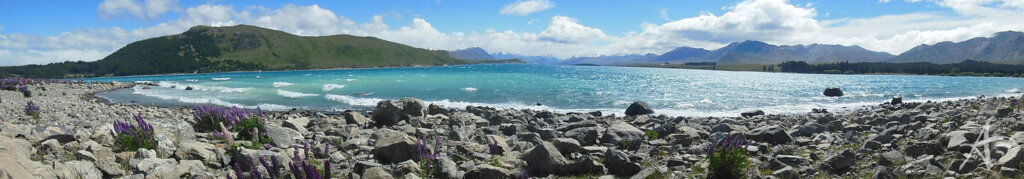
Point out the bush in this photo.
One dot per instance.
(131, 137)
(651, 134)
(430, 162)
(32, 110)
(727, 158)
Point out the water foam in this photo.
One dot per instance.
(292, 94)
(278, 84)
(169, 84)
(469, 89)
(329, 87)
(353, 101)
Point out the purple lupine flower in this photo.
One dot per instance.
(238, 171)
(523, 175)
(255, 171)
(276, 163)
(305, 149)
(31, 109)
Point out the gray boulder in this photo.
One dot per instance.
(585, 136)
(79, 169)
(892, 158)
(621, 131)
(544, 159)
(283, 137)
(638, 108)
(390, 112)
(395, 147)
(833, 92)
(621, 165)
(298, 124)
(353, 117)
(1012, 158)
(841, 162)
(377, 173)
(923, 148)
(566, 145)
(773, 134)
(752, 113)
(488, 171)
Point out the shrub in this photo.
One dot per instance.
(32, 110)
(430, 162)
(651, 134)
(208, 117)
(727, 158)
(306, 168)
(131, 137)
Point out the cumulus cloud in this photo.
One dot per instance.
(150, 9)
(564, 29)
(527, 7)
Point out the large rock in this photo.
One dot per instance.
(353, 117)
(79, 169)
(544, 159)
(686, 136)
(841, 162)
(283, 137)
(298, 124)
(752, 113)
(585, 136)
(1012, 158)
(833, 92)
(61, 133)
(896, 100)
(566, 145)
(923, 148)
(16, 153)
(621, 131)
(892, 158)
(198, 151)
(377, 173)
(390, 112)
(395, 147)
(638, 108)
(488, 171)
(773, 134)
(620, 163)
(157, 166)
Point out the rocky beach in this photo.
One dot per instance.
(74, 136)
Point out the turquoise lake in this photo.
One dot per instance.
(674, 92)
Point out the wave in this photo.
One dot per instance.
(1014, 90)
(469, 89)
(205, 100)
(329, 87)
(220, 79)
(169, 84)
(353, 101)
(292, 94)
(350, 79)
(278, 84)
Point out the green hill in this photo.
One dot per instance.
(204, 49)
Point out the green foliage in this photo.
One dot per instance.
(728, 164)
(629, 145)
(430, 169)
(129, 143)
(244, 129)
(651, 134)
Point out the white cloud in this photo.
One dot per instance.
(664, 15)
(527, 7)
(564, 29)
(150, 9)
(884, 1)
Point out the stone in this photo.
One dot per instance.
(792, 160)
(362, 166)
(395, 147)
(155, 166)
(833, 92)
(165, 145)
(841, 162)
(298, 124)
(752, 113)
(61, 133)
(916, 149)
(1004, 112)
(585, 136)
(807, 130)
(773, 134)
(566, 145)
(892, 159)
(488, 171)
(963, 167)
(786, 173)
(283, 137)
(85, 156)
(435, 109)
(79, 169)
(638, 108)
(621, 163)
(1012, 158)
(192, 150)
(16, 153)
(727, 128)
(353, 117)
(955, 140)
(883, 173)
(377, 173)
(544, 159)
(621, 131)
(390, 112)
(896, 100)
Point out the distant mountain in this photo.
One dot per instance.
(242, 48)
(683, 54)
(611, 60)
(1005, 47)
(527, 58)
(756, 52)
(472, 53)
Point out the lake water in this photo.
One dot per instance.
(674, 92)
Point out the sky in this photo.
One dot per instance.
(41, 32)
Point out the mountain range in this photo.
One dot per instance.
(1003, 48)
(243, 48)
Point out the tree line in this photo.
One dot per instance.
(964, 68)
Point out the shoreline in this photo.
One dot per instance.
(910, 139)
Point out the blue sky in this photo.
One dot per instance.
(36, 32)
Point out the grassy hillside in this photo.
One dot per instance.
(239, 48)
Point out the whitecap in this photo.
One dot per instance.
(329, 87)
(469, 89)
(169, 84)
(350, 79)
(292, 94)
(353, 101)
(1014, 90)
(278, 84)
(220, 79)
